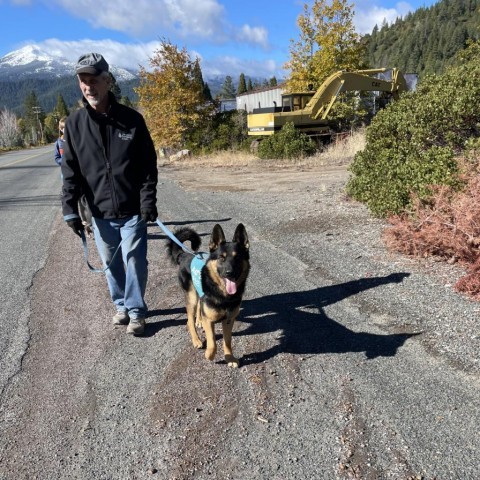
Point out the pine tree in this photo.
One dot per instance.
(228, 89)
(115, 88)
(242, 85)
(249, 85)
(207, 94)
(197, 73)
(61, 109)
(33, 118)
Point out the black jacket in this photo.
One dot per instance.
(111, 159)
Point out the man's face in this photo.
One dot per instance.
(94, 88)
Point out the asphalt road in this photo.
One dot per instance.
(29, 199)
(336, 380)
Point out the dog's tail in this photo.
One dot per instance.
(184, 234)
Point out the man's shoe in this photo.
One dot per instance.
(136, 326)
(121, 318)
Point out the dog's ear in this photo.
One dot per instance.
(241, 236)
(217, 238)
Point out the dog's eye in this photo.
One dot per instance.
(221, 259)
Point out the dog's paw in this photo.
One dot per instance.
(198, 344)
(232, 361)
(210, 354)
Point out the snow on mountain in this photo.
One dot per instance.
(31, 61)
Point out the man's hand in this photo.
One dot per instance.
(149, 214)
(76, 225)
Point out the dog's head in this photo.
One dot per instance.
(230, 259)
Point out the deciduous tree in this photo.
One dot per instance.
(10, 135)
(170, 96)
(327, 43)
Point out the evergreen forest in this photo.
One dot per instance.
(426, 41)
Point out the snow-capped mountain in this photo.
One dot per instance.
(30, 61)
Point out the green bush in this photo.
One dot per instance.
(224, 131)
(287, 144)
(412, 144)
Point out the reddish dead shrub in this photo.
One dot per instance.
(446, 226)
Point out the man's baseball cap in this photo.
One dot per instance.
(92, 63)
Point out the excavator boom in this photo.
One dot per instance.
(362, 80)
(308, 111)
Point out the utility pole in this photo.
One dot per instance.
(37, 111)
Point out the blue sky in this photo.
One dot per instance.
(229, 36)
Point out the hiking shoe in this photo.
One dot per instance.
(121, 318)
(136, 326)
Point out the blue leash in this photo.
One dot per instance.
(85, 252)
(172, 237)
(159, 223)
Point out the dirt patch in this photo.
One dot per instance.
(257, 177)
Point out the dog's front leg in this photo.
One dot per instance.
(198, 315)
(191, 300)
(227, 326)
(209, 327)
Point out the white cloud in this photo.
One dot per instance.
(254, 35)
(185, 18)
(366, 17)
(234, 66)
(192, 19)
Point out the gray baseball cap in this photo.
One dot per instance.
(92, 63)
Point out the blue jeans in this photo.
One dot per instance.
(127, 275)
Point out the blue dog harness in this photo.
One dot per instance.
(196, 267)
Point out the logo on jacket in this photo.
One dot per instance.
(125, 136)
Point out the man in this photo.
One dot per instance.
(109, 156)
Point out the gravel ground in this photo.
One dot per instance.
(307, 214)
(356, 363)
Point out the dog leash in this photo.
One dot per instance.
(172, 237)
(163, 228)
(85, 251)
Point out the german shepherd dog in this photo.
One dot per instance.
(222, 284)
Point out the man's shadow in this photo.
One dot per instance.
(304, 328)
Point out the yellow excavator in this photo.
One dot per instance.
(308, 111)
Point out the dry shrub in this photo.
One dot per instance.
(344, 147)
(470, 284)
(447, 226)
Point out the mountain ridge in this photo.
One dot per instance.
(31, 61)
(49, 75)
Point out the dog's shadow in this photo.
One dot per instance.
(304, 328)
